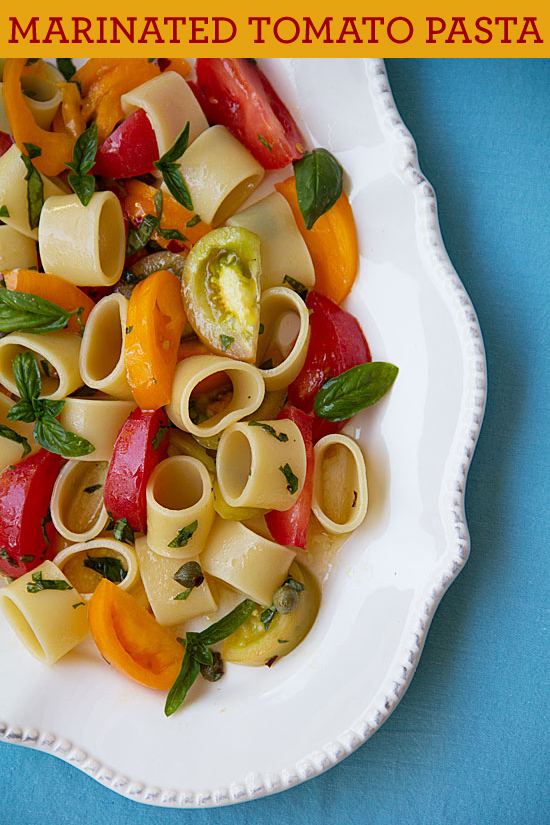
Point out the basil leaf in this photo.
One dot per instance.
(53, 436)
(27, 559)
(359, 387)
(159, 436)
(22, 411)
(84, 153)
(7, 432)
(5, 212)
(319, 179)
(295, 585)
(83, 186)
(47, 584)
(93, 488)
(226, 341)
(185, 678)
(264, 142)
(297, 286)
(123, 532)
(107, 566)
(291, 479)
(139, 236)
(183, 537)
(178, 149)
(24, 311)
(66, 67)
(10, 560)
(199, 651)
(157, 200)
(267, 616)
(282, 437)
(193, 222)
(171, 234)
(35, 185)
(183, 596)
(175, 184)
(228, 625)
(27, 376)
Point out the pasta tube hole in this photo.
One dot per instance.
(339, 483)
(39, 89)
(48, 374)
(234, 199)
(105, 343)
(86, 579)
(178, 486)
(21, 626)
(109, 239)
(81, 499)
(237, 463)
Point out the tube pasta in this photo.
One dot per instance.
(59, 349)
(13, 192)
(157, 574)
(169, 104)
(46, 622)
(71, 562)
(220, 174)
(250, 563)
(340, 491)
(97, 419)
(83, 244)
(77, 508)
(10, 451)
(283, 250)
(285, 338)
(17, 251)
(102, 351)
(180, 507)
(42, 94)
(250, 461)
(248, 392)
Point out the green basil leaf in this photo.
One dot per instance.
(219, 631)
(319, 179)
(183, 537)
(84, 151)
(24, 311)
(282, 437)
(226, 341)
(264, 142)
(53, 436)
(184, 595)
(7, 432)
(359, 387)
(35, 185)
(157, 200)
(46, 584)
(295, 585)
(10, 560)
(4, 211)
(83, 186)
(159, 436)
(107, 566)
(171, 234)
(27, 376)
(22, 411)
(177, 150)
(139, 236)
(185, 678)
(200, 651)
(66, 67)
(123, 532)
(46, 406)
(267, 616)
(93, 488)
(175, 184)
(291, 479)
(27, 559)
(297, 286)
(193, 221)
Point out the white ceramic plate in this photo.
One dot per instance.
(262, 730)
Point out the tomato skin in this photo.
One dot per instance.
(336, 344)
(5, 142)
(134, 459)
(128, 151)
(235, 93)
(291, 526)
(25, 493)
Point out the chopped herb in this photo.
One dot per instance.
(129, 330)
(47, 584)
(171, 234)
(108, 567)
(66, 67)
(159, 437)
(78, 604)
(251, 60)
(35, 184)
(4, 211)
(84, 152)
(43, 524)
(111, 523)
(157, 200)
(264, 142)
(7, 432)
(267, 616)
(93, 488)
(183, 537)
(140, 235)
(169, 167)
(261, 329)
(194, 413)
(295, 585)
(193, 222)
(123, 532)
(27, 559)
(45, 367)
(5, 555)
(226, 341)
(184, 595)
(282, 641)
(267, 365)
(292, 481)
(32, 60)
(282, 437)
(297, 286)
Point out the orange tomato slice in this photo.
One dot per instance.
(131, 639)
(53, 289)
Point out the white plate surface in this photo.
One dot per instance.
(262, 730)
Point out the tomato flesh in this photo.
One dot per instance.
(235, 93)
(130, 150)
(5, 142)
(134, 459)
(25, 493)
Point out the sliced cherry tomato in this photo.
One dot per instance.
(5, 142)
(140, 445)
(26, 531)
(130, 150)
(155, 322)
(239, 96)
(336, 344)
(291, 526)
(54, 289)
(131, 639)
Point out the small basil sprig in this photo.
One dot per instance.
(170, 169)
(197, 653)
(319, 179)
(355, 389)
(282, 437)
(84, 152)
(35, 184)
(48, 432)
(66, 67)
(24, 311)
(107, 566)
(7, 432)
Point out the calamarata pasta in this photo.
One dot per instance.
(176, 366)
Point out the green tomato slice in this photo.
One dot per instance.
(221, 291)
(252, 644)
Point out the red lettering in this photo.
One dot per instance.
(55, 29)
(506, 20)
(373, 21)
(217, 23)
(296, 34)
(317, 32)
(409, 26)
(117, 24)
(259, 21)
(196, 29)
(349, 27)
(31, 27)
(534, 33)
(481, 28)
(174, 21)
(82, 26)
(101, 21)
(458, 28)
(432, 29)
(151, 28)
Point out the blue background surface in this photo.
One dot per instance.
(469, 743)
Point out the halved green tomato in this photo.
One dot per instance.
(252, 644)
(221, 291)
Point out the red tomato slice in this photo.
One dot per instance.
(5, 142)
(239, 96)
(291, 526)
(25, 493)
(130, 150)
(140, 445)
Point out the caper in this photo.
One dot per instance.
(214, 671)
(189, 574)
(285, 599)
